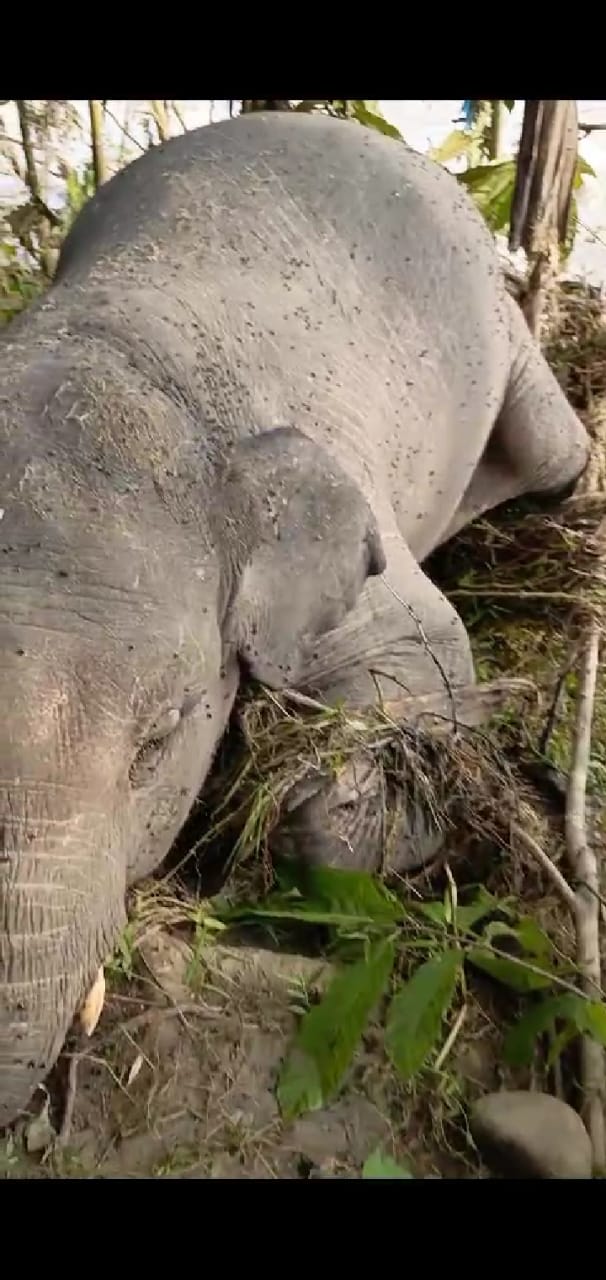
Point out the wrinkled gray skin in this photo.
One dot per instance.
(277, 368)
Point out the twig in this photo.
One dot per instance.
(160, 117)
(31, 173)
(71, 1088)
(592, 128)
(541, 973)
(95, 111)
(555, 705)
(451, 1037)
(428, 649)
(180, 116)
(554, 872)
(121, 125)
(302, 700)
(485, 697)
(512, 593)
(583, 862)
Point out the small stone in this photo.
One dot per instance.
(531, 1135)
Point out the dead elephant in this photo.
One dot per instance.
(277, 368)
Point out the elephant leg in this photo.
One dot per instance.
(403, 637)
(539, 434)
(538, 444)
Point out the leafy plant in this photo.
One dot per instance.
(492, 187)
(418, 1009)
(79, 187)
(20, 281)
(330, 1033)
(380, 1166)
(366, 112)
(489, 179)
(416, 956)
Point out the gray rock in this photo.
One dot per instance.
(531, 1135)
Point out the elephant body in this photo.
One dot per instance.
(277, 367)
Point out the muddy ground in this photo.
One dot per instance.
(179, 1081)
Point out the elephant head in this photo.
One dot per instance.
(128, 607)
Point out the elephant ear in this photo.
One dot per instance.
(312, 543)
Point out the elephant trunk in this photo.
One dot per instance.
(61, 907)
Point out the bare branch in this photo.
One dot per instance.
(161, 119)
(31, 172)
(69, 1102)
(555, 704)
(474, 702)
(587, 913)
(95, 110)
(124, 129)
(566, 893)
(180, 116)
(428, 649)
(542, 199)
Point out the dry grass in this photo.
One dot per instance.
(465, 783)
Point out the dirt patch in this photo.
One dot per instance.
(181, 1079)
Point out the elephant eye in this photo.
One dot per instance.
(153, 748)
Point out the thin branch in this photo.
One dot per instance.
(481, 699)
(587, 906)
(533, 847)
(180, 116)
(428, 649)
(541, 973)
(31, 172)
(13, 142)
(95, 111)
(451, 1037)
(556, 703)
(495, 129)
(512, 593)
(161, 119)
(591, 128)
(124, 129)
(69, 1102)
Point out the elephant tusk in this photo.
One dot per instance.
(91, 1009)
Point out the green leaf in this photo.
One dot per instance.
(510, 973)
(509, 103)
(329, 1034)
(354, 893)
(582, 167)
(588, 1017)
(594, 1018)
(374, 120)
(379, 1166)
(483, 905)
(533, 939)
(456, 144)
(327, 895)
(559, 1043)
(492, 187)
(434, 911)
(416, 1012)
